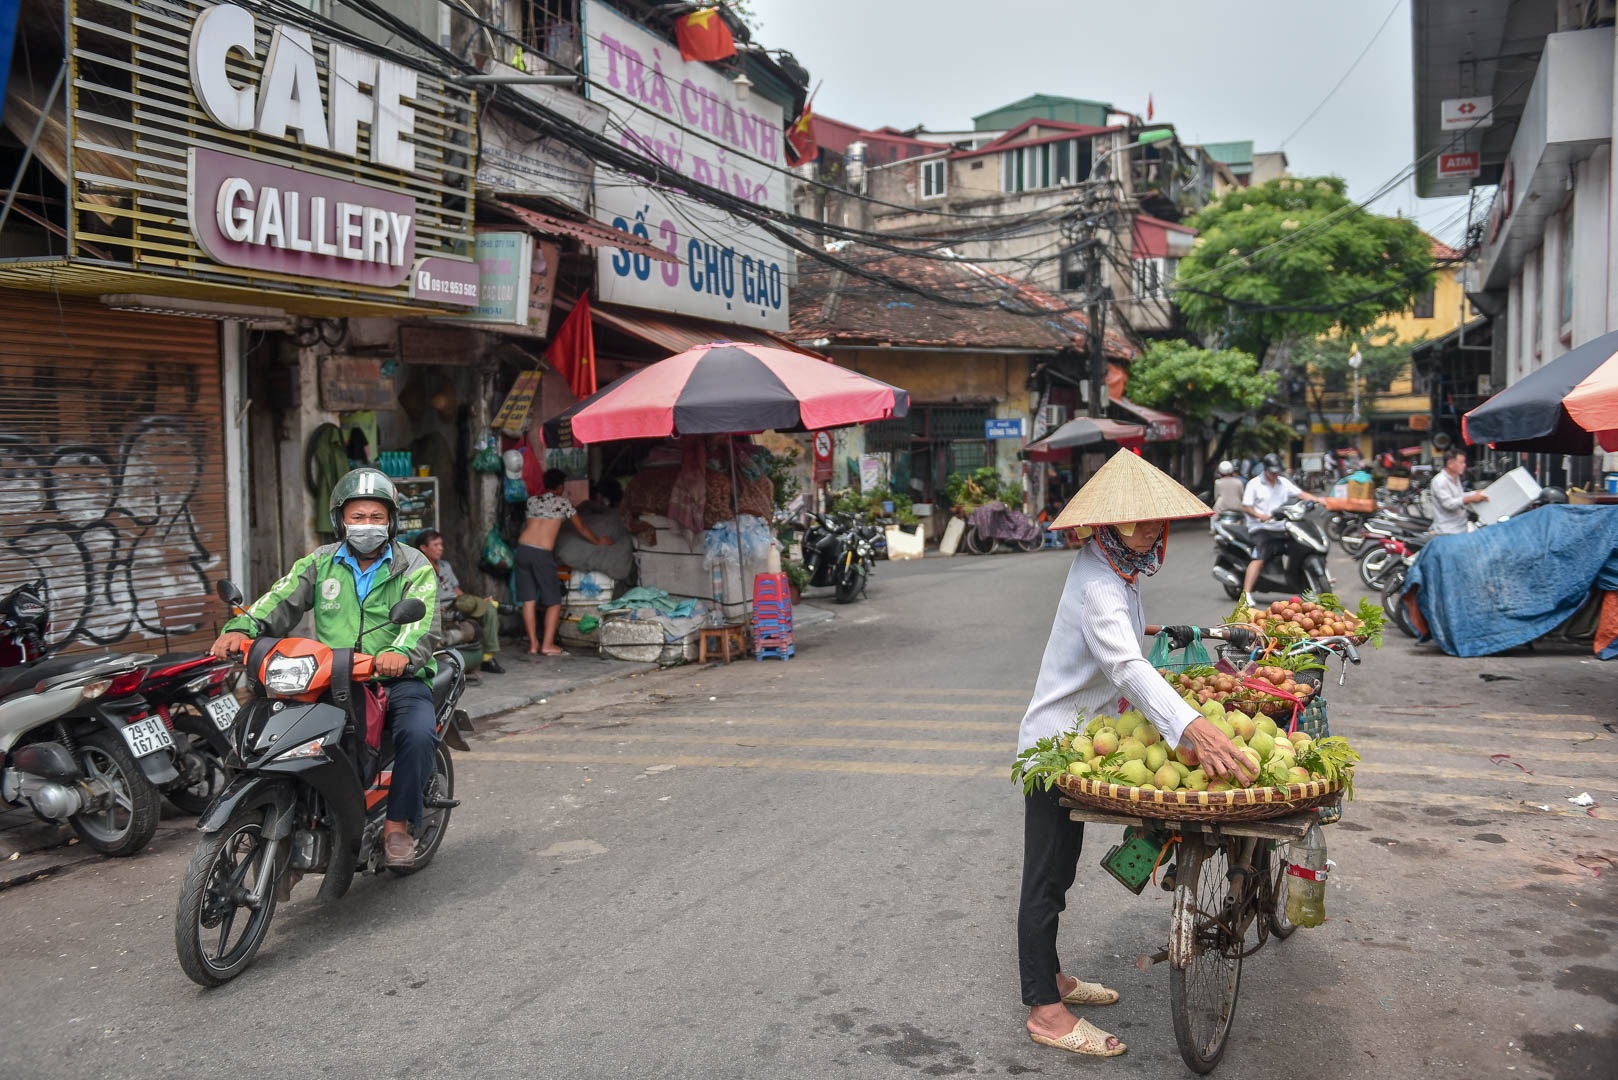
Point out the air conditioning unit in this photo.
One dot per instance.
(1054, 415)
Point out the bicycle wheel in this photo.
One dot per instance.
(977, 544)
(1205, 969)
(1276, 908)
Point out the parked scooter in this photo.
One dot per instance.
(193, 694)
(311, 797)
(1302, 566)
(68, 749)
(840, 552)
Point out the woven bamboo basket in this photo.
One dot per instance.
(1248, 804)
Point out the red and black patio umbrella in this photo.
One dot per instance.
(1557, 408)
(726, 387)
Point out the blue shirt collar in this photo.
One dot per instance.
(347, 557)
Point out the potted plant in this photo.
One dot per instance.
(797, 579)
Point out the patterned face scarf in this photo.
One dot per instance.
(1128, 562)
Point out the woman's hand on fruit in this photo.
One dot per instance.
(1216, 754)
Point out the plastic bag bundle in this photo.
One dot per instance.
(719, 543)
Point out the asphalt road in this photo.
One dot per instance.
(809, 868)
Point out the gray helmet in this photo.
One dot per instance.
(364, 484)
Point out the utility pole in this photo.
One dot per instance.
(1096, 311)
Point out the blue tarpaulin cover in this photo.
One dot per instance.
(1487, 591)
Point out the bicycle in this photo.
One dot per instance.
(1229, 884)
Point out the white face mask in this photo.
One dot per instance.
(365, 539)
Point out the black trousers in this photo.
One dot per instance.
(1050, 859)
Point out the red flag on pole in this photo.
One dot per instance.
(572, 352)
(703, 35)
(801, 144)
(1149, 109)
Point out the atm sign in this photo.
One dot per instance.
(1456, 165)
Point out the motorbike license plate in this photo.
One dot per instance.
(222, 711)
(147, 736)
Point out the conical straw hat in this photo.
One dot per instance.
(1125, 490)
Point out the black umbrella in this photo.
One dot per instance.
(1529, 415)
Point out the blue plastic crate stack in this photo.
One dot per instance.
(772, 617)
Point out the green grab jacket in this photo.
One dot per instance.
(319, 583)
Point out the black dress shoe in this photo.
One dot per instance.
(492, 666)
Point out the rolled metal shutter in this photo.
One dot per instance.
(112, 482)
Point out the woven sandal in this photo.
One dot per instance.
(1085, 1038)
(1089, 993)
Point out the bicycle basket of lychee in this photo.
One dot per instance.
(1122, 765)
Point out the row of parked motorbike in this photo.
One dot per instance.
(97, 741)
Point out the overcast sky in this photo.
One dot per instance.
(1219, 72)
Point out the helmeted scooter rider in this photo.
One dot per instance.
(351, 586)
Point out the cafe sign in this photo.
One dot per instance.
(296, 159)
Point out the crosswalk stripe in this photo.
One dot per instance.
(1350, 724)
(771, 721)
(1508, 778)
(818, 742)
(780, 764)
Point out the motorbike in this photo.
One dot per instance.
(840, 552)
(194, 695)
(310, 795)
(995, 526)
(1301, 567)
(75, 745)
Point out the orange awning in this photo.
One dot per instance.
(1593, 403)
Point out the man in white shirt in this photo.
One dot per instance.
(1449, 499)
(1266, 493)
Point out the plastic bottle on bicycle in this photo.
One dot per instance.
(1306, 881)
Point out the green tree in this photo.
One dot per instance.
(1325, 360)
(1295, 258)
(1219, 390)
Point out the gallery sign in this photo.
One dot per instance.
(291, 155)
(692, 119)
(268, 217)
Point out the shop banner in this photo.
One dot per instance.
(505, 260)
(253, 214)
(692, 118)
(514, 159)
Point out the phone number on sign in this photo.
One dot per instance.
(707, 267)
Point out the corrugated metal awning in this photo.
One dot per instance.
(591, 233)
(1160, 426)
(678, 333)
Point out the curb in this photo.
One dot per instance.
(524, 698)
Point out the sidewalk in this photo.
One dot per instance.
(528, 683)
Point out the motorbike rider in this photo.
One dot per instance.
(1227, 491)
(1448, 499)
(351, 586)
(1265, 494)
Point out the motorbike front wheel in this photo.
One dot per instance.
(128, 821)
(1393, 603)
(216, 899)
(848, 586)
(1375, 566)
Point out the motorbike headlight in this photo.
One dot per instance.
(312, 748)
(290, 674)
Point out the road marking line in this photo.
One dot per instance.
(842, 705)
(1506, 776)
(1002, 726)
(1471, 731)
(785, 764)
(1402, 798)
(562, 734)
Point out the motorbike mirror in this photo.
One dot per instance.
(229, 593)
(407, 611)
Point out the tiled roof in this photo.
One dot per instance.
(832, 307)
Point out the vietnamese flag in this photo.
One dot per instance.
(573, 350)
(801, 144)
(703, 35)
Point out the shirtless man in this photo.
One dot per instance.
(536, 566)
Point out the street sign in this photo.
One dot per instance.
(1463, 164)
(1462, 114)
(822, 457)
(1003, 429)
